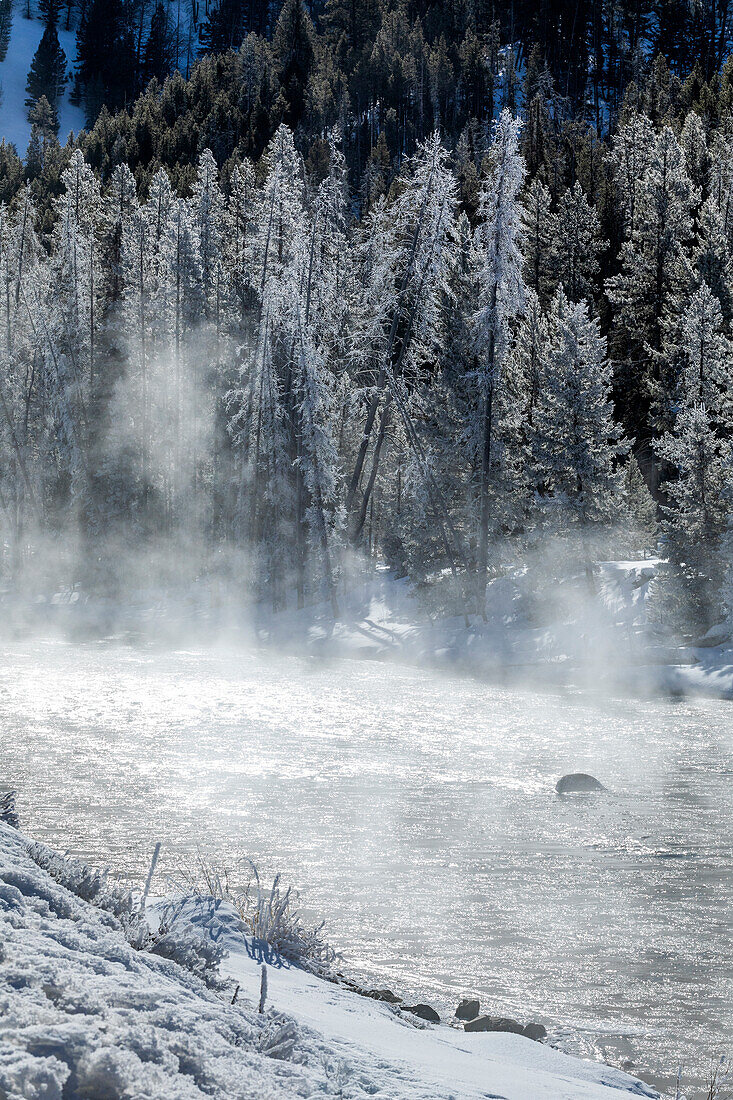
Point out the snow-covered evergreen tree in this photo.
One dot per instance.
(577, 441)
(689, 587)
(577, 244)
(537, 239)
(500, 298)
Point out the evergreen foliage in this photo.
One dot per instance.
(354, 282)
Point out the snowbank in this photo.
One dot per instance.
(84, 1014)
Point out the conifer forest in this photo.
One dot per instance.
(435, 285)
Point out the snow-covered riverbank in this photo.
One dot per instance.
(85, 1014)
(596, 641)
(539, 631)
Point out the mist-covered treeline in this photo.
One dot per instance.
(255, 370)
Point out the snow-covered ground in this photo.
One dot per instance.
(24, 39)
(82, 1014)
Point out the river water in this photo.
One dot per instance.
(416, 813)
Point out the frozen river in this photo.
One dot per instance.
(418, 815)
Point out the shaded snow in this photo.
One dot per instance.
(25, 37)
(83, 1013)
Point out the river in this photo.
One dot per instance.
(417, 814)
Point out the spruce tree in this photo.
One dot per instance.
(537, 239)
(577, 441)
(294, 50)
(500, 298)
(6, 26)
(226, 26)
(159, 59)
(47, 75)
(577, 245)
(105, 55)
(689, 585)
(44, 128)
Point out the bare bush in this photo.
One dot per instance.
(270, 915)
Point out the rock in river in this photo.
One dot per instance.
(578, 783)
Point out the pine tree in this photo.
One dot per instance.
(105, 55)
(577, 245)
(47, 75)
(501, 297)
(240, 230)
(652, 289)
(712, 259)
(537, 239)
(226, 26)
(207, 210)
(159, 59)
(695, 147)
(6, 26)
(632, 152)
(690, 582)
(293, 47)
(44, 128)
(577, 441)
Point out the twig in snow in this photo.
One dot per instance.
(263, 989)
(151, 872)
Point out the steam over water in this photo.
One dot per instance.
(418, 815)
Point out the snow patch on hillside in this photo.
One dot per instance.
(25, 37)
(84, 1013)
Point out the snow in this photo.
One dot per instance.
(601, 643)
(25, 37)
(84, 1013)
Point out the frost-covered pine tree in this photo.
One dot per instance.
(688, 590)
(712, 260)
(708, 354)
(697, 157)
(537, 239)
(208, 208)
(654, 284)
(239, 235)
(76, 263)
(577, 244)
(500, 299)
(405, 256)
(525, 372)
(577, 442)
(632, 151)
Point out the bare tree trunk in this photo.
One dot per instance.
(383, 421)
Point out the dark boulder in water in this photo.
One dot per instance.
(383, 995)
(578, 783)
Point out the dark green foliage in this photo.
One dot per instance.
(47, 75)
(159, 58)
(293, 47)
(106, 55)
(11, 172)
(6, 25)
